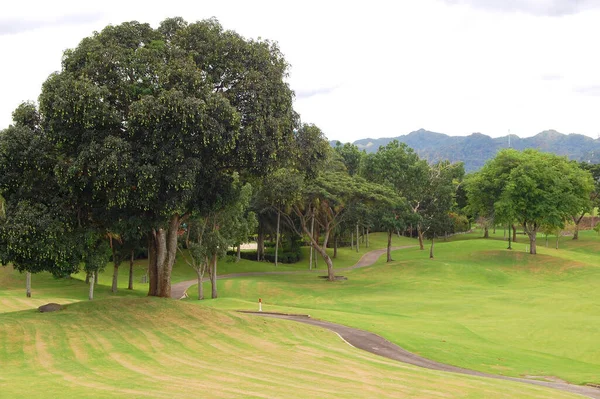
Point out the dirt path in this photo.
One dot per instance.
(178, 290)
(375, 344)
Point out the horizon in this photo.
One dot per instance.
(467, 135)
(451, 65)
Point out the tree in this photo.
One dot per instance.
(392, 217)
(97, 252)
(351, 156)
(594, 201)
(536, 189)
(38, 229)
(398, 166)
(158, 120)
(278, 191)
(326, 199)
(440, 190)
(214, 232)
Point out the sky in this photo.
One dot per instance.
(367, 69)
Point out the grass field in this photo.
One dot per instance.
(475, 305)
(155, 348)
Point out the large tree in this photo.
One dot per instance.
(535, 189)
(439, 196)
(326, 199)
(158, 120)
(398, 166)
(38, 228)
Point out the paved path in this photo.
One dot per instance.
(375, 344)
(378, 345)
(179, 290)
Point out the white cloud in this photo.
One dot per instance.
(376, 68)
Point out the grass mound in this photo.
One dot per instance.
(144, 347)
(476, 305)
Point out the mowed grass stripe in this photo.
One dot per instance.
(160, 348)
(475, 305)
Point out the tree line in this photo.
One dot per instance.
(183, 140)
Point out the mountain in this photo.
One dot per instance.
(474, 150)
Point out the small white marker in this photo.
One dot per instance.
(259, 305)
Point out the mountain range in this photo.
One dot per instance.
(474, 150)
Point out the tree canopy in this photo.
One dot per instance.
(156, 121)
(532, 188)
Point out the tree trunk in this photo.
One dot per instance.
(531, 232)
(239, 253)
(494, 232)
(260, 243)
(532, 244)
(389, 246)
(577, 221)
(91, 292)
(322, 249)
(357, 249)
(187, 237)
(514, 233)
(213, 277)
(420, 234)
(28, 284)
(277, 237)
(546, 241)
(335, 245)
(87, 277)
(96, 277)
(486, 232)
(557, 237)
(131, 256)
(115, 278)
(152, 267)
(352, 241)
(431, 249)
(367, 238)
(312, 232)
(200, 275)
(165, 245)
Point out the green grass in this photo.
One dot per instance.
(153, 348)
(475, 305)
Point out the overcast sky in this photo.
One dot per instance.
(369, 68)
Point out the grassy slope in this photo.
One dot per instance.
(476, 305)
(142, 347)
(46, 288)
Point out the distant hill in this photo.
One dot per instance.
(474, 150)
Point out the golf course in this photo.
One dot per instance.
(476, 306)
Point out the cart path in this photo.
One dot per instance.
(378, 345)
(179, 290)
(375, 344)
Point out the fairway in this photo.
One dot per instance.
(163, 349)
(475, 306)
